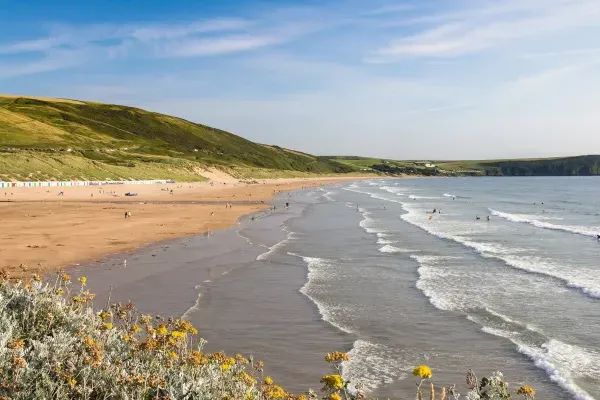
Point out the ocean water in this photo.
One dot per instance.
(366, 267)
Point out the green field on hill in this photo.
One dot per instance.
(67, 139)
(46, 139)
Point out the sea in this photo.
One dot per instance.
(503, 276)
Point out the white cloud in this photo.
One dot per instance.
(219, 45)
(161, 32)
(474, 30)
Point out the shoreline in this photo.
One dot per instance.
(44, 233)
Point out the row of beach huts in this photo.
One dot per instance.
(81, 183)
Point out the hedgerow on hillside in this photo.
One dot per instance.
(54, 345)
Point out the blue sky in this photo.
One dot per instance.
(439, 79)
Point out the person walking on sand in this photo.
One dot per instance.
(488, 218)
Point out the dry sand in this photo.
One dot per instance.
(46, 231)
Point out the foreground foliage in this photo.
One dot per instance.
(53, 345)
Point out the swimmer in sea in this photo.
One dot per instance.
(477, 218)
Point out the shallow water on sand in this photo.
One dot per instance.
(361, 267)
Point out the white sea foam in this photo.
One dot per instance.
(368, 223)
(290, 236)
(563, 363)
(386, 241)
(383, 234)
(318, 271)
(584, 279)
(196, 305)
(398, 191)
(413, 197)
(449, 195)
(537, 221)
(431, 277)
(374, 364)
(392, 249)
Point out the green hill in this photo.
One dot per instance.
(43, 138)
(562, 166)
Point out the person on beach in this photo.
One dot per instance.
(488, 218)
(477, 218)
(434, 211)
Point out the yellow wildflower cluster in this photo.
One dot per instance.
(268, 380)
(274, 392)
(185, 326)
(227, 364)
(105, 315)
(82, 280)
(197, 358)
(422, 371)
(337, 356)
(16, 344)
(335, 396)
(178, 334)
(526, 391)
(333, 382)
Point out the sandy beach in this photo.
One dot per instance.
(44, 230)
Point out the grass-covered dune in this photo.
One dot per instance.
(42, 138)
(55, 345)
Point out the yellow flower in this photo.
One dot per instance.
(65, 277)
(105, 315)
(178, 334)
(162, 330)
(135, 329)
(82, 280)
(36, 277)
(337, 356)
(247, 379)
(89, 341)
(108, 325)
(334, 396)
(333, 381)
(60, 291)
(422, 371)
(274, 392)
(526, 391)
(16, 344)
(174, 355)
(268, 380)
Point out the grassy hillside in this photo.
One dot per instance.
(563, 166)
(44, 138)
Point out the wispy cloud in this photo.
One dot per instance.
(477, 29)
(562, 53)
(202, 38)
(161, 32)
(220, 45)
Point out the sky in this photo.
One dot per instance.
(404, 79)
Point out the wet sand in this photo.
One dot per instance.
(239, 304)
(43, 230)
